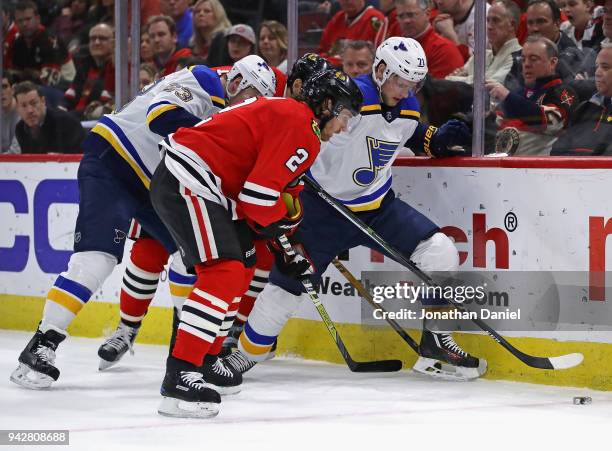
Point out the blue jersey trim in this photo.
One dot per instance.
(126, 143)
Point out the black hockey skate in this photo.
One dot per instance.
(220, 377)
(441, 357)
(115, 346)
(185, 394)
(36, 370)
(238, 362)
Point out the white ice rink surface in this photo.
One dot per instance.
(294, 404)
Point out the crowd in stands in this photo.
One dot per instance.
(548, 62)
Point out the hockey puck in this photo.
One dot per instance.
(582, 400)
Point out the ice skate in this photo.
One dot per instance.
(115, 346)
(36, 368)
(441, 357)
(221, 377)
(238, 362)
(185, 394)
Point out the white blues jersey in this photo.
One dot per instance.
(355, 166)
(166, 104)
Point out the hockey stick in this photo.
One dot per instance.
(368, 297)
(548, 363)
(379, 366)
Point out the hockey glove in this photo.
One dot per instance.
(452, 133)
(297, 267)
(288, 224)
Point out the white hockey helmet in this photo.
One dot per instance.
(402, 56)
(255, 73)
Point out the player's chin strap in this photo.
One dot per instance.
(547, 363)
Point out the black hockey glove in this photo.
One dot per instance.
(283, 227)
(452, 133)
(297, 267)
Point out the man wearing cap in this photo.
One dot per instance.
(240, 42)
(166, 53)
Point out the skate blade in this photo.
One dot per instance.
(443, 371)
(105, 364)
(28, 378)
(225, 391)
(176, 408)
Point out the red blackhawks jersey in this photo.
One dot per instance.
(363, 27)
(244, 157)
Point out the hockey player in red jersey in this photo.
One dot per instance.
(219, 186)
(248, 77)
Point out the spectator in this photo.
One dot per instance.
(210, 23)
(146, 50)
(146, 75)
(10, 117)
(162, 33)
(69, 25)
(95, 73)
(584, 30)
(240, 42)
(357, 58)
(355, 21)
(390, 26)
(456, 23)
(590, 129)
(530, 118)
(9, 31)
(181, 13)
(607, 19)
(543, 18)
(42, 129)
(502, 20)
(443, 56)
(36, 55)
(273, 43)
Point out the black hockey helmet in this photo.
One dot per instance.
(334, 85)
(306, 66)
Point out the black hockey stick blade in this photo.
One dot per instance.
(380, 366)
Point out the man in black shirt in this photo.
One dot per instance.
(42, 129)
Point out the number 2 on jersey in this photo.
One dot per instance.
(296, 159)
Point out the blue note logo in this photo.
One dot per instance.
(380, 153)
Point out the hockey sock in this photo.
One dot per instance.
(229, 318)
(73, 288)
(265, 261)
(181, 284)
(140, 279)
(217, 285)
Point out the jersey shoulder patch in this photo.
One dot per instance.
(209, 81)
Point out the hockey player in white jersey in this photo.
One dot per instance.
(355, 168)
(120, 155)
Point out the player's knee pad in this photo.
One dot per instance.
(90, 268)
(273, 308)
(437, 253)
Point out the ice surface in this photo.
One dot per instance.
(294, 404)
